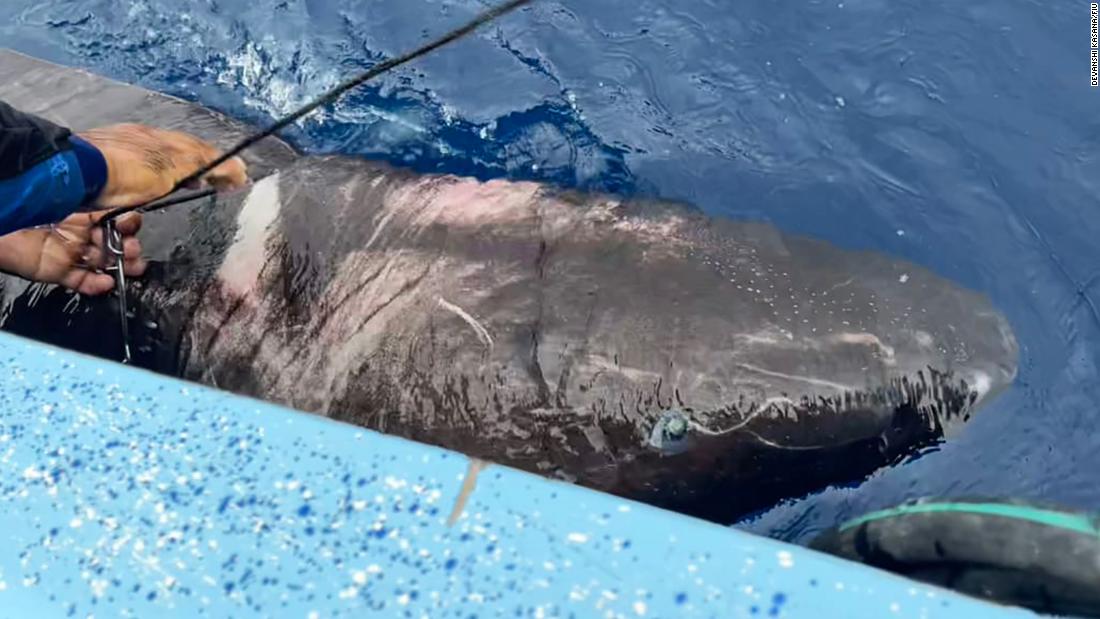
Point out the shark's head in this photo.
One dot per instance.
(724, 365)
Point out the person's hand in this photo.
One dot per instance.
(70, 253)
(144, 163)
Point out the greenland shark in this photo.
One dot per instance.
(634, 346)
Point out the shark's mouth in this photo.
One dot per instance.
(933, 397)
(722, 464)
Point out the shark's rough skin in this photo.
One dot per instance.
(637, 347)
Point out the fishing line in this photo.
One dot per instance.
(110, 229)
(329, 97)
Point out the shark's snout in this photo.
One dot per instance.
(976, 348)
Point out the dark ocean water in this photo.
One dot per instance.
(961, 136)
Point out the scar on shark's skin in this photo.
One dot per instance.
(468, 485)
(768, 404)
(482, 333)
(805, 379)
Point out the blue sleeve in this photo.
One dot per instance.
(53, 189)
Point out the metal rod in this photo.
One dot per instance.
(115, 247)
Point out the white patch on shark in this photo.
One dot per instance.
(840, 285)
(11, 291)
(246, 256)
(482, 333)
(603, 364)
(700, 428)
(775, 445)
(770, 404)
(771, 336)
(805, 379)
(380, 225)
(867, 339)
(467, 203)
(923, 338)
(765, 338)
(980, 382)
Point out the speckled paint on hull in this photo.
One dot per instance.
(127, 494)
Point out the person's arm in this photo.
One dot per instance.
(46, 173)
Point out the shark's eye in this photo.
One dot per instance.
(676, 427)
(670, 433)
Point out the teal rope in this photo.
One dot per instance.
(1073, 522)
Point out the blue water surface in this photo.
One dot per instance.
(963, 136)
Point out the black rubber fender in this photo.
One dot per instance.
(1043, 558)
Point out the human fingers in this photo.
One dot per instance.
(92, 284)
(232, 174)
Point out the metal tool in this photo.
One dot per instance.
(113, 240)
